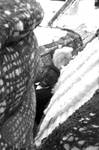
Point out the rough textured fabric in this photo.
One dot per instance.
(16, 131)
(17, 103)
(17, 17)
(79, 132)
(18, 60)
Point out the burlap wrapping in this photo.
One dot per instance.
(18, 61)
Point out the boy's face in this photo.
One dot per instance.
(62, 57)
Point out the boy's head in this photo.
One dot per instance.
(62, 57)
